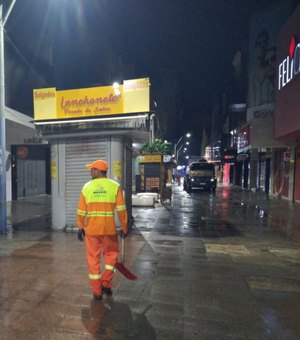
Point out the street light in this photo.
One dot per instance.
(188, 135)
(151, 136)
(2, 118)
(184, 149)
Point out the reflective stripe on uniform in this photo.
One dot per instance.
(100, 200)
(81, 212)
(100, 213)
(109, 267)
(94, 276)
(121, 207)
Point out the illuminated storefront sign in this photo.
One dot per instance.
(243, 137)
(290, 67)
(150, 158)
(131, 97)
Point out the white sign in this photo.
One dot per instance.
(261, 119)
(167, 158)
(290, 67)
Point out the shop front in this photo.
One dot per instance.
(229, 165)
(27, 158)
(88, 124)
(264, 147)
(243, 157)
(287, 108)
(264, 29)
(155, 175)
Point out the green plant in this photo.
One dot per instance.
(157, 146)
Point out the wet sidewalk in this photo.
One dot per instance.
(224, 266)
(29, 213)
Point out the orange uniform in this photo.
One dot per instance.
(96, 209)
(99, 200)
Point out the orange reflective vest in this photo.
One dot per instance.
(99, 199)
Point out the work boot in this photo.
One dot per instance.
(97, 297)
(107, 291)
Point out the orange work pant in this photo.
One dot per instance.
(97, 246)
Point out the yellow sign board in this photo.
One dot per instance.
(53, 170)
(132, 97)
(118, 169)
(44, 101)
(136, 95)
(89, 102)
(155, 158)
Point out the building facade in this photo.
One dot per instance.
(287, 108)
(262, 146)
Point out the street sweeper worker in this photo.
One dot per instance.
(99, 199)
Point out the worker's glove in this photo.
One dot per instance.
(81, 234)
(122, 234)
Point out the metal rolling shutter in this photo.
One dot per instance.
(79, 152)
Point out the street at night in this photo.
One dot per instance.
(209, 266)
(149, 169)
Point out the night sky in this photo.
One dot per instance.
(198, 39)
(195, 38)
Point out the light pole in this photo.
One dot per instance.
(180, 148)
(188, 135)
(151, 135)
(2, 118)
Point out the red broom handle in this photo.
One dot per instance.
(122, 249)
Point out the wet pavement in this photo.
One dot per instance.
(29, 213)
(209, 266)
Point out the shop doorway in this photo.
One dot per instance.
(297, 175)
(31, 175)
(30, 170)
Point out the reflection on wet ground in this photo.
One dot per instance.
(229, 214)
(244, 266)
(209, 266)
(115, 320)
(30, 213)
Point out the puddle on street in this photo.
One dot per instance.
(231, 249)
(168, 242)
(218, 228)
